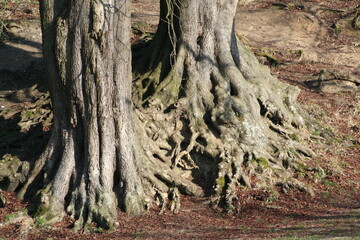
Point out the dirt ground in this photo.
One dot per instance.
(312, 44)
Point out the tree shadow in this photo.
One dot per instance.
(320, 225)
(21, 67)
(20, 58)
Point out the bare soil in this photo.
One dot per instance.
(299, 40)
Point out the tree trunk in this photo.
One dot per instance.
(213, 116)
(209, 118)
(89, 166)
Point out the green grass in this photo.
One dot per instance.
(9, 217)
(40, 222)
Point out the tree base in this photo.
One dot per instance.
(210, 129)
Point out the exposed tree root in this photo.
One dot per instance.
(211, 115)
(209, 119)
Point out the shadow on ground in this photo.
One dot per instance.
(22, 84)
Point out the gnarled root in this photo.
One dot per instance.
(223, 128)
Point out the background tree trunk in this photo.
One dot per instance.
(213, 115)
(89, 165)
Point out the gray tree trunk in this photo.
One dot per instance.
(89, 166)
(214, 118)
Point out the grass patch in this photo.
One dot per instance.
(10, 216)
(40, 222)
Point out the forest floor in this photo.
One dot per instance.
(312, 44)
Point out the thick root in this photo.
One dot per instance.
(100, 212)
(222, 129)
(47, 209)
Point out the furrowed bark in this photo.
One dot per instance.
(89, 166)
(208, 119)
